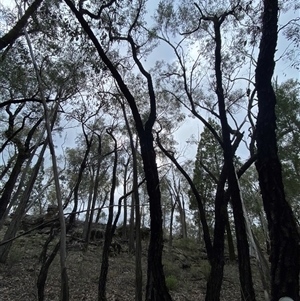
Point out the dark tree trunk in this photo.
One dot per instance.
(136, 209)
(10, 184)
(156, 289)
(109, 229)
(20, 211)
(202, 213)
(124, 227)
(214, 283)
(131, 225)
(156, 285)
(80, 173)
(95, 196)
(173, 205)
(24, 152)
(247, 291)
(46, 262)
(14, 33)
(230, 240)
(285, 253)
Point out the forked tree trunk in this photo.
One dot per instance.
(156, 289)
(23, 202)
(247, 291)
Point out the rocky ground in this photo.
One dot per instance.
(185, 267)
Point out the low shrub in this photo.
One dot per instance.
(171, 282)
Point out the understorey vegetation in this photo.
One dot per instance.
(159, 134)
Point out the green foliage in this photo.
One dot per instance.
(171, 282)
(208, 164)
(186, 244)
(205, 268)
(171, 269)
(15, 255)
(288, 133)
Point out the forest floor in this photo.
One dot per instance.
(186, 270)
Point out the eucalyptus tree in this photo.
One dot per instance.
(16, 31)
(288, 130)
(207, 170)
(284, 235)
(205, 24)
(54, 75)
(117, 29)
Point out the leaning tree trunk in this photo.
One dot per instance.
(247, 291)
(284, 236)
(64, 293)
(156, 285)
(23, 201)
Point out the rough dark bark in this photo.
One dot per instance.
(20, 211)
(24, 151)
(230, 241)
(46, 262)
(156, 286)
(14, 33)
(10, 184)
(214, 283)
(247, 291)
(284, 236)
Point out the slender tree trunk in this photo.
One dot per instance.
(10, 184)
(20, 211)
(182, 216)
(138, 251)
(173, 205)
(156, 286)
(46, 262)
(95, 195)
(80, 172)
(206, 235)
(247, 291)
(131, 225)
(284, 235)
(124, 227)
(261, 262)
(63, 249)
(109, 229)
(100, 209)
(230, 240)
(88, 210)
(138, 243)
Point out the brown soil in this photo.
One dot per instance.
(186, 270)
